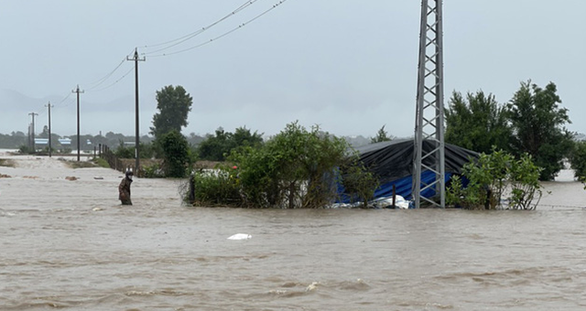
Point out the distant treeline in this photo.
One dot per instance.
(17, 139)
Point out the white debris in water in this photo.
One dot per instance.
(311, 286)
(240, 236)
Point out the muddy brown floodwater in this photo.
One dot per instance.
(70, 245)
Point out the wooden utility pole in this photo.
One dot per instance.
(78, 92)
(49, 107)
(32, 114)
(136, 60)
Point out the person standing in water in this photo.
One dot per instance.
(124, 188)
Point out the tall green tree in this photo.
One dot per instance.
(176, 157)
(538, 124)
(477, 122)
(381, 136)
(174, 104)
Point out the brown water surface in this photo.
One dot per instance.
(71, 245)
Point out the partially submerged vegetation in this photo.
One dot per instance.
(295, 169)
(497, 181)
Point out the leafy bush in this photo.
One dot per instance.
(358, 182)
(153, 171)
(146, 151)
(295, 169)
(494, 179)
(124, 152)
(25, 150)
(214, 188)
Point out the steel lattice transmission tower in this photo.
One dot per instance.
(429, 153)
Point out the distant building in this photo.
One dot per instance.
(41, 141)
(65, 141)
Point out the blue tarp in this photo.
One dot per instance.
(402, 188)
(392, 163)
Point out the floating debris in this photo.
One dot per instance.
(311, 286)
(240, 236)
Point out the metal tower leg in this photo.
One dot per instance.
(429, 146)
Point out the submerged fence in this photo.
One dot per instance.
(105, 153)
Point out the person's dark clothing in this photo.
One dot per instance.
(124, 191)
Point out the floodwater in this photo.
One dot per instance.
(70, 245)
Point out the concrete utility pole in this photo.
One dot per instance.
(32, 114)
(429, 121)
(49, 107)
(136, 60)
(78, 92)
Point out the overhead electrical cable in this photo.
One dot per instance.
(115, 82)
(102, 80)
(99, 82)
(190, 36)
(222, 35)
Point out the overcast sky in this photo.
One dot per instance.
(349, 66)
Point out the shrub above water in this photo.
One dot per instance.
(497, 181)
(295, 169)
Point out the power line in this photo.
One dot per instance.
(99, 82)
(115, 82)
(222, 35)
(190, 36)
(102, 80)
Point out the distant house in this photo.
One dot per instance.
(41, 141)
(65, 141)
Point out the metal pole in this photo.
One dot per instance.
(429, 146)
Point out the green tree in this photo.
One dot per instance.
(176, 157)
(174, 104)
(214, 147)
(538, 126)
(243, 137)
(217, 147)
(381, 136)
(477, 122)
